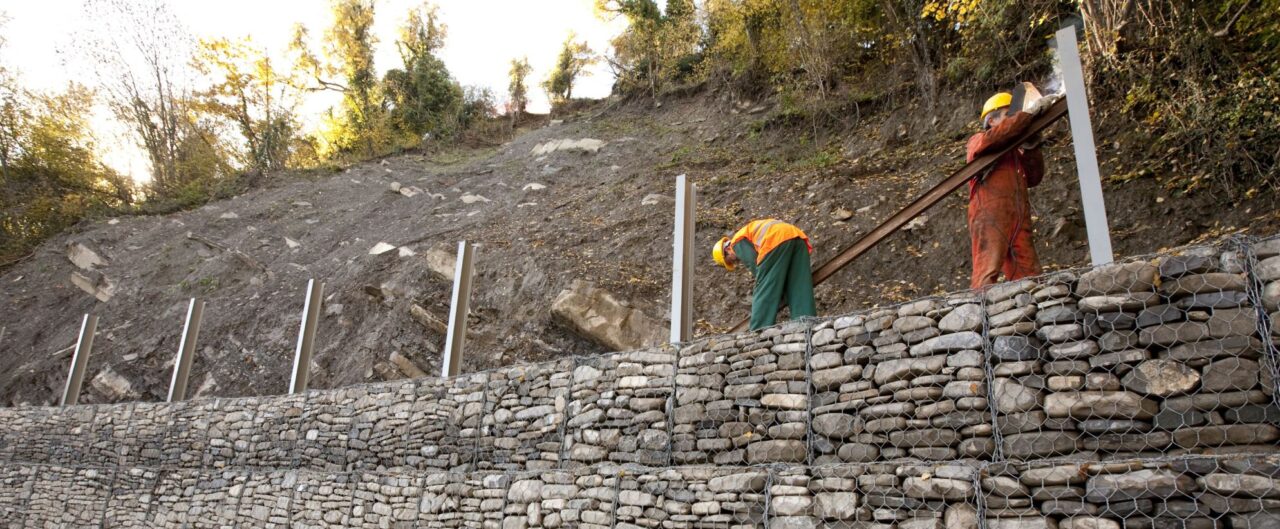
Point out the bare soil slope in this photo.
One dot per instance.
(540, 222)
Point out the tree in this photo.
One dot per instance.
(657, 47)
(516, 87)
(137, 52)
(571, 64)
(248, 91)
(422, 96)
(348, 49)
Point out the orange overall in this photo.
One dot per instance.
(999, 205)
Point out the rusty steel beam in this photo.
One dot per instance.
(926, 201)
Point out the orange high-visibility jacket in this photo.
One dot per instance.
(767, 234)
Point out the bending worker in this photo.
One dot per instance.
(999, 204)
(777, 254)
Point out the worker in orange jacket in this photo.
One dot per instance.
(777, 254)
(999, 204)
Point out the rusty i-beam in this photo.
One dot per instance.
(927, 200)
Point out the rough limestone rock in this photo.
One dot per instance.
(1099, 405)
(83, 257)
(1012, 397)
(602, 318)
(1163, 378)
(966, 317)
(111, 384)
(1136, 485)
(441, 263)
(1117, 278)
(584, 145)
(948, 343)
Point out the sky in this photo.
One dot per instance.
(483, 37)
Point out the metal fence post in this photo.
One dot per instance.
(306, 337)
(80, 360)
(458, 309)
(682, 262)
(1095, 210)
(186, 351)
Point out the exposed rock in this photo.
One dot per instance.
(83, 257)
(1162, 378)
(584, 145)
(1099, 405)
(111, 385)
(948, 343)
(1115, 278)
(600, 317)
(967, 317)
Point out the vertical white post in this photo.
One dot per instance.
(458, 309)
(1095, 210)
(306, 337)
(186, 351)
(682, 262)
(80, 361)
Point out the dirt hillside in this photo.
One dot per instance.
(540, 221)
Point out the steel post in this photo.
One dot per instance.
(186, 351)
(682, 262)
(306, 337)
(459, 307)
(1095, 210)
(80, 360)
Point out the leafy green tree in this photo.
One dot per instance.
(422, 96)
(575, 57)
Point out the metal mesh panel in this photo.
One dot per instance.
(463, 500)
(524, 416)
(132, 499)
(619, 409)
(265, 499)
(1134, 359)
(68, 497)
(321, 501)
(185, 443)
(16, 482)
(358, 427)
(433, 436)
(193, 498)
(743, 398)
(695, 496)
(385, 500)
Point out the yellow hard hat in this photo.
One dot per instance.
(995, 102)
(717, 253)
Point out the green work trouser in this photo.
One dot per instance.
(783, 275)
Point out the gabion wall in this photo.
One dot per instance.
(1141, 394)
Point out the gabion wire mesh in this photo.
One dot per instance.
(1139, 394)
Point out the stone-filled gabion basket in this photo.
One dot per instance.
(1141, 394)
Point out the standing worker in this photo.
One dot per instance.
(999, 204)
(777, 254)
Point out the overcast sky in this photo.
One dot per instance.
(484, 35)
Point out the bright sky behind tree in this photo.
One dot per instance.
(483, 37)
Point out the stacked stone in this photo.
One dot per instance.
(582, 498)
(272, 439)
(445, 422)
(1037, 336)
(473, 499)
(229, 433)
(68, 497)
(149, 422)
(264, 499)
(524, 417)
(131, 499)
(321, 500)
(60, 436)
(15, 487)
(186, 440)
(385, 500)
(1267, 270)
(693, 497)
(197, 499)
(1196, 493)
(901, 383)
(618, 409)
(743, 399)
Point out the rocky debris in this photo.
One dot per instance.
(469, 198)
(533, 186)
(406, 366)
(599, 316)
(381, 248)
(95, 284)
(655, 199)
(111, 385)
(83, 257)
(442, 263)
(584, 145)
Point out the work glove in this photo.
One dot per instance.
(1043, 103)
